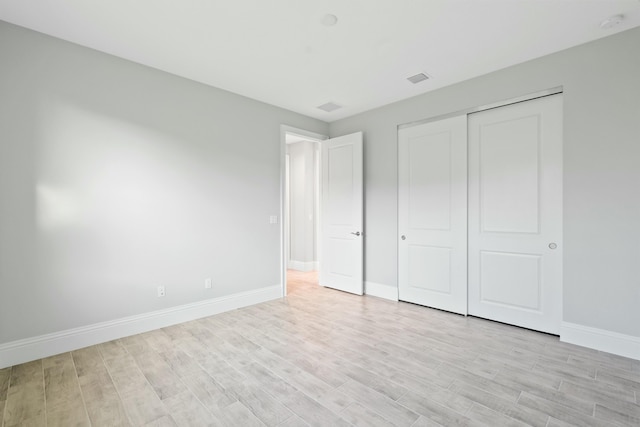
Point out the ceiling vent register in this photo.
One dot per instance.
(329, 107)
(420, 77)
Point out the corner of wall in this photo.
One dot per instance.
(600, 339)
(381, 291)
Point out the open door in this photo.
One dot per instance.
(341, 248)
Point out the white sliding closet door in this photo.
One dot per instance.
(515, 214)
(433, 214)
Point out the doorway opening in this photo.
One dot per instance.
(300, 208)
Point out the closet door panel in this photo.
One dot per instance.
(515, 214)
(433, 214)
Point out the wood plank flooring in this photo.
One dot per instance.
(325, 358)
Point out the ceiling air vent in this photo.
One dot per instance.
(329, 107)
(420, 77)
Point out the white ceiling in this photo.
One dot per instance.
(279, 52)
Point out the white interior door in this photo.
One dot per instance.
(433, 214)
(341, 247)
(515, 214)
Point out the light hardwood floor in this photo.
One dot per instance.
(325, 358)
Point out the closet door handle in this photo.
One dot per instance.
(403, 237)
(355, 233)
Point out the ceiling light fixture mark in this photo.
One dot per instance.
(612, 21)
(329, 107)
(329, 20)
(420, 77)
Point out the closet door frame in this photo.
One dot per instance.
(466, 112)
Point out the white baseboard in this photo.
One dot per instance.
(381, 291)
(302, 265)
(25, 350)
(600, 339)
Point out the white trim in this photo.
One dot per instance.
(303, 265)
(523, 98)
(601, 339)
(25, 350)
(381, 291)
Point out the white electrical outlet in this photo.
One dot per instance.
(207, 283)
(161, 291)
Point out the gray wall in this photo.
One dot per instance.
(601, 83)
(116, 178)
(302, 198)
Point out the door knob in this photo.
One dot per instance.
(403, 237)
(357, 233)
(552, 245)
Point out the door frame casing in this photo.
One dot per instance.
(284, 215)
